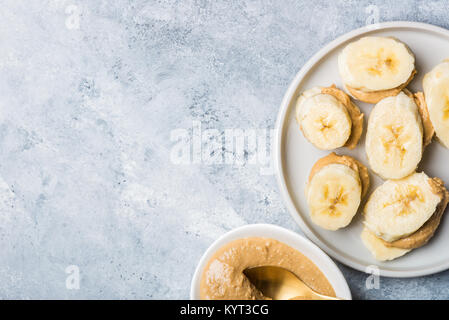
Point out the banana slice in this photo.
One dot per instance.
(323, 119)
(394, 139)
(328, 118)
(398, 208)
(436, 91)
(354, 113)
(378, 248)
(335, 190)
(426, 232)
(377, 65)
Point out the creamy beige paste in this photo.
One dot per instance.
(375, 96)
(429, 131)
(223, 277)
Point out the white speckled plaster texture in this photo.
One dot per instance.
(91, 94)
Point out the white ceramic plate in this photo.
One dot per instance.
(294, 156)
(294, 240)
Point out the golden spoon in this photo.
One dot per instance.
(280, 284)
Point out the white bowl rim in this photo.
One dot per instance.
(302, 244)
(279, 129)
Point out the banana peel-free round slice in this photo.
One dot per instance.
(394, 138)
(436, 92)
(328, 118)
(398, 208)
(426, 232)
(373, 68)
(335, 189)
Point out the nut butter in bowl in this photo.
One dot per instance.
(220, 272)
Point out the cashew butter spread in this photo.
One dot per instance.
(223, 277)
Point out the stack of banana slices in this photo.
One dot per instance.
(403, 214)
(405, 211)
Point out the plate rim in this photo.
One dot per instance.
(239, 233)
(279, 135)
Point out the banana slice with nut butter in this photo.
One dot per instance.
(373, 68)
(436, 92)
(328, 118)
(402, 215)
(335, 189)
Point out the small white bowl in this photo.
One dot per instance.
(294, 240)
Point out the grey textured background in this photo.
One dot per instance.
(86, 176)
